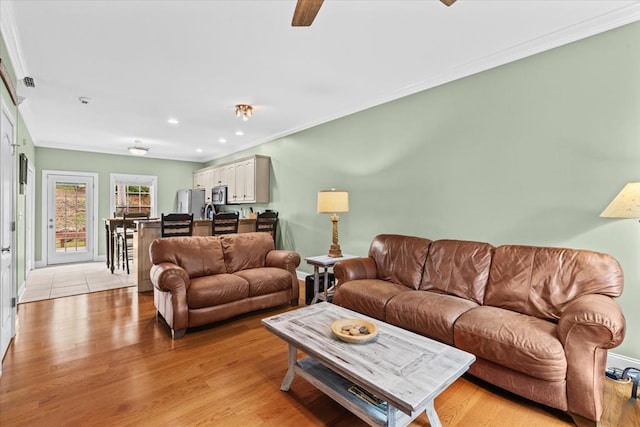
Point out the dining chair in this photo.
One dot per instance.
(125, 235)
(225, 223)
(176, 224)
(267, 221)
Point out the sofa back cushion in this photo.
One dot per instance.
(541, 281)
(246, 250)
(458, 267)
(198, 255)
(399, 259)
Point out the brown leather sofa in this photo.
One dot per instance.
(201, 280)
(538, 319)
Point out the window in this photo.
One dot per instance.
(133, 193)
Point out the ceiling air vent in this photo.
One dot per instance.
(28, 82)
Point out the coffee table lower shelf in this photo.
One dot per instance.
(336, 387)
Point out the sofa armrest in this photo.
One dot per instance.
(169, 277)
(588, 326)
(355, 269)
(288, 260)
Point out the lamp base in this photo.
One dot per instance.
(335, 251)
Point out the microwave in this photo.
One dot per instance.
(219, 195)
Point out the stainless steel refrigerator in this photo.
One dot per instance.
(191, 201)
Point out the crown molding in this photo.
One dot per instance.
(9, 31)
(591, 27)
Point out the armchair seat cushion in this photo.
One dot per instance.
(428, 313)
(368, 296)
(523, 343)
(220, 289)
(265, 280)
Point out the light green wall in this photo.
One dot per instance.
(527, 153)
(172, 176)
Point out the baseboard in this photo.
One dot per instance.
(21, 289)
(40, 264)
(301, 274)
(619, 361)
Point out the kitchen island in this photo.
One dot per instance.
(148, 231)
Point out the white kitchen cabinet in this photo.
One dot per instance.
(218, 176)
(247, 180)
(229, 179)
(208, 184)
(203, 178)
(199, 179)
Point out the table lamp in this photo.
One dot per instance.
(626, 204)
(333, 201)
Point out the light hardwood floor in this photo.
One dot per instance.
(103, 359)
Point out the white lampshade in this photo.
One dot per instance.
(626, 204)
(333, 201)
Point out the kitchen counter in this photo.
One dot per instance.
(148, 231)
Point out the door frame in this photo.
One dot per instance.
(45, 207)
(30, 219)
(4, 109)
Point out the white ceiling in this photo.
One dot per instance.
(142, 62)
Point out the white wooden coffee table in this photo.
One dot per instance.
(405, 370)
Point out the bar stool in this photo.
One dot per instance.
(125, 235)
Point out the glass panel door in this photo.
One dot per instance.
(69, 224)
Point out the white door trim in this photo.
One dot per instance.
(30, 219)
(93, 220)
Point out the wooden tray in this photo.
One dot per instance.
(336, 328)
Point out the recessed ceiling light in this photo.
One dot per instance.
(173, 121)
(222, 140)
(239, 133)
(198, 150)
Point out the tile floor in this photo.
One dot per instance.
(72, 279)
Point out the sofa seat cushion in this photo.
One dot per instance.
(368, 296)
(218, 289)
(523, 343)
(265, 280)
(428, 313)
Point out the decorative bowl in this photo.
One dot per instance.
(355, 331)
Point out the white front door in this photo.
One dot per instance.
(69, 218)
(7, 227)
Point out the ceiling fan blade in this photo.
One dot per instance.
(305, 13)
(448, 2)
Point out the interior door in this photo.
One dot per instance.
(69, 218)
(7, 227)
